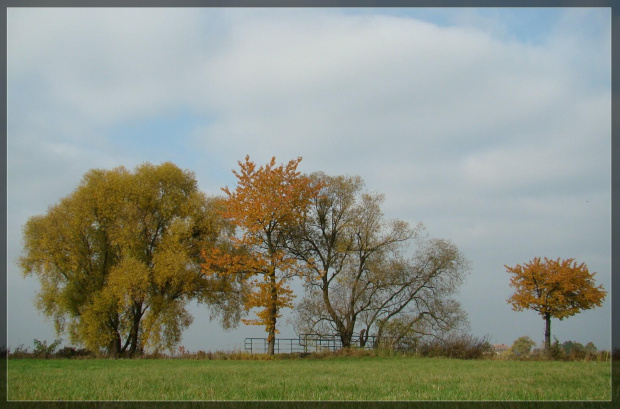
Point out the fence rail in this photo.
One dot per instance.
(305, 343)
(282, 346)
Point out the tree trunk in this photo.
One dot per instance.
(114, 348)
(547, 331)
(271, 340)
(273, 313)
(340, 327)
(346, 336)
(137, 316)
(379, 336)
(346, 341)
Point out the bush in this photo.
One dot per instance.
(20, 352)
(574, 351)
(556, 352)
(198, 355)
(70, 352)
(141, 354)
(42, 350)
(459, 346)
(571, 347)
(522, 346)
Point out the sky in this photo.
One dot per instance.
(492, 127)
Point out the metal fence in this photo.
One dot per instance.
(282, 346)
(305, 343)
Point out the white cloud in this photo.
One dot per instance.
(105, 65)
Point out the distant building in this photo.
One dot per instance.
(500, 348)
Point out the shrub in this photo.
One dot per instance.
(590, 347)
(556, 352)
(571, 347)
(468, 347)
(20, 352)
(457, 346)
(41, 349)
(522, 346)
(202, 355)
(603, 356)
(70, 352)
(156, 354)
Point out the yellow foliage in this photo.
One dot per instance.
(129, 281)
(123, 250)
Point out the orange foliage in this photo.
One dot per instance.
(560, 288)
(267, 202)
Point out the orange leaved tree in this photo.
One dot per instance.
(554, 288)
(267, 202)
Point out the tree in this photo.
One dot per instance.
(358, 275)
(418, 292)
(572, 347)
(118, 259)
(590, 347)
(267, 201)
(522, 345)
(554, 288)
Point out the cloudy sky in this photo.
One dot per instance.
(490, 126)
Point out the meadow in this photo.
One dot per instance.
(337, 379)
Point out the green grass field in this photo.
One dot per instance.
(347, 378)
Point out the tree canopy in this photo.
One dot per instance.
(118, 259)
(266, 203)
(522, 345)
(554, 288)
(360, 276)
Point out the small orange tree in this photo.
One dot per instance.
(266, 203)
(554, 288)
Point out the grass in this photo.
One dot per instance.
(342, 379)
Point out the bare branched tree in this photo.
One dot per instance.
(364, 279)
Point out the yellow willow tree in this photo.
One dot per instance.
(119, 259)
(267, 202)
(554, 288)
